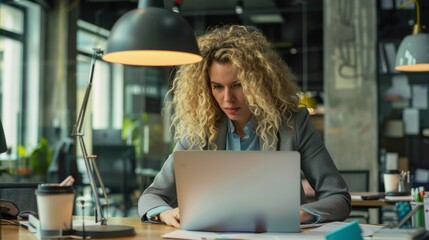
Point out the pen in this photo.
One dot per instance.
(408, 177)
(413, 199)
(221, 238)
(419, 213)
(68, 181)
(422, 192)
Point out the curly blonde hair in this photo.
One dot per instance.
(267, 82)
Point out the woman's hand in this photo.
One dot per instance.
(170, 217)
(305, 217)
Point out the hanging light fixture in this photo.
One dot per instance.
(239, 7)
(176, 6)
(413, 52)
(152, 36)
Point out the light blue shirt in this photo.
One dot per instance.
(233, 143)
(249, 142)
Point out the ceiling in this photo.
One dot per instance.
(294, 26)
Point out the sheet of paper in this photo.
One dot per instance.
(420, 96)
(398, 198)
(314, 233)
(411, 121)
(198, 235)
(356, 197)
(367, 229)
(421, 175)
(401, 86)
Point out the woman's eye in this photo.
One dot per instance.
(237, 85)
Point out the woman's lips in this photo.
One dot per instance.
(231, 111)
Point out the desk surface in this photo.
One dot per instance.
(143, 230)
(368, 203)
(147, 231)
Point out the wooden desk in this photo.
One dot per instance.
(356, 202)
(143, 230)
(359, 202)
(368, 203)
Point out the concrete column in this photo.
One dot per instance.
(350, 85)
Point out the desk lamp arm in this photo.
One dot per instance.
(78, 133)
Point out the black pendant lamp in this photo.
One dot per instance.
(152, 36)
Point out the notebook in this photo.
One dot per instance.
(238, 191)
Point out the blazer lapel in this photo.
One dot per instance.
(272, 139)
(222, 127)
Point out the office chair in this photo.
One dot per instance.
(64, 163)
(22, 195)
(117, 164)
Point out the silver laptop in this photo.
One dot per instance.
(238, 191)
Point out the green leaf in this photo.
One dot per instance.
(22, 152)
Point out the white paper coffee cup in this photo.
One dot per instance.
(391, 181)
(55, 206)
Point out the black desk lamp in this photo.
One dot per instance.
(3, 145)
(147, 36)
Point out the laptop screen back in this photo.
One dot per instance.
(244, 191)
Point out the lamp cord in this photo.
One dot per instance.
(417, 26)
(83, 218)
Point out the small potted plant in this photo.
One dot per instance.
(37, 162)
(23, 167)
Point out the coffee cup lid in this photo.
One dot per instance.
(53, 189)
(392, 171)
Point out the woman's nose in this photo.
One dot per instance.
(229, 95)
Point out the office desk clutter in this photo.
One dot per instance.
(397, 181)
(417, 196)
(404, 183)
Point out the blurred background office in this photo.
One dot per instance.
(371, 116)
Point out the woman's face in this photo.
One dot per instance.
(228, 93)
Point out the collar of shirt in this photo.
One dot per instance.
(249, 142)
(249, 128)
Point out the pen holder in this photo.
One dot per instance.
(426, 211)
(404, 185)
(418, 219)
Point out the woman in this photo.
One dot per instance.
(242, 96)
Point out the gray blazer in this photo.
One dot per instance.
(334, 202)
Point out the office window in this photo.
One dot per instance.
(10, 78)
(20, 72)
(105, 107)
(11, 19)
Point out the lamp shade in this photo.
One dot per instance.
(3, 145)
(413, 53)
(152, 36)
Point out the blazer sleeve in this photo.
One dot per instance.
(162, 191)
(333, 199)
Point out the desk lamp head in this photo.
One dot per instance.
(3, 145)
